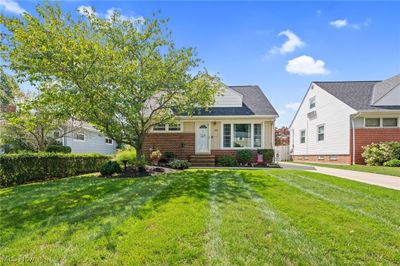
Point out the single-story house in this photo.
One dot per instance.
(336, 119)
(242, 118)
(85, 139)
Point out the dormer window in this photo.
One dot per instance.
(312, 102)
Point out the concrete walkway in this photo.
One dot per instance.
(387, 181)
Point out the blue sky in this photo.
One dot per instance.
(280, 46)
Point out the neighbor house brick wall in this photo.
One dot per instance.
(181, 144)
(340, 159)
(365, 136)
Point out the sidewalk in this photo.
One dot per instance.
(387, 181)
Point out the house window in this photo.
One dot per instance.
(242, 135)
(159, 127)
(333, 158)
(57, 134)
(257, 135)
(372, 122)
(174, 127)
(321, 133)
(227, 136)
(312, 102)
(79, 137)
(302, 136)
(108, 141)
(320, 157)
(389, 122)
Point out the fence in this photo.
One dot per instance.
(282, 153)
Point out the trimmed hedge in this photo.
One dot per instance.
(58, 148)
(226, 161)
(26, 167)
(379, 153)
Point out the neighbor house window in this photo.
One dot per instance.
(79, 137)
(389, 122)
(257, 135)
(159, 127)
(242, 135)
(302, 136)
(57, 134)
(372, 122)
(321, 133)
(333, 157)
(312, 102)
(320, 157)
(109, 141)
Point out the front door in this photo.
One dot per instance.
(202, 138)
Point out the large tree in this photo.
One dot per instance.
(123, 76)
(9, 90)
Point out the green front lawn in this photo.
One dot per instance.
(201, 217)
(395, 171)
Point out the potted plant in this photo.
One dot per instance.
(155, 157)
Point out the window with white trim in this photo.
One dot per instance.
(303, 136)
(57, 134)
(108, 141)
(79, 137)
(227, 136)
(242, 135)
(389, 122)
(372, 122)
(257, 135)
(312, 102)
(321, 132)
(167, 127)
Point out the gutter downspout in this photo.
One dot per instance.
(354, 138)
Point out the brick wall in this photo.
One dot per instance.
(365, 136)
(340, 159)
(181, 144)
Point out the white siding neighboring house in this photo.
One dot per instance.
(336, 119)
(88, 139)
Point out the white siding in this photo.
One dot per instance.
(333, 114)
(392, 98)
(94, 143)
(230, 98)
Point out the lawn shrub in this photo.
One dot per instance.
(25, 167)
(58, 149)
(179, 164)
(392, 163)
(268, 155)
(226, 160)
(244, 156)
(379, 153)
(110, 168)
(169, 155)
(128, 155)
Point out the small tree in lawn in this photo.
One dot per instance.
(34, 122)
(122, 76)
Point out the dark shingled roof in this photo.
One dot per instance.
(384, 87)
(358, 94)
(254, 103)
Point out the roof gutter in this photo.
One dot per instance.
(216, 117)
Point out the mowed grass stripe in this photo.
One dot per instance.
(346, 236)
(384, 210)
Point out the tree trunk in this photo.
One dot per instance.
(140, 166)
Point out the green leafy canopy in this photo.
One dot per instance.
(122, 76)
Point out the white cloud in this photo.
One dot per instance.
(339, 23)
(111, 11)
(293, 106)
(293, 42)
(86, 10)
(306, 65)
(11, 6)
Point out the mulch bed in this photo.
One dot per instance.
(150, 171)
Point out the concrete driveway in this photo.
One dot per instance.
(386, 181)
